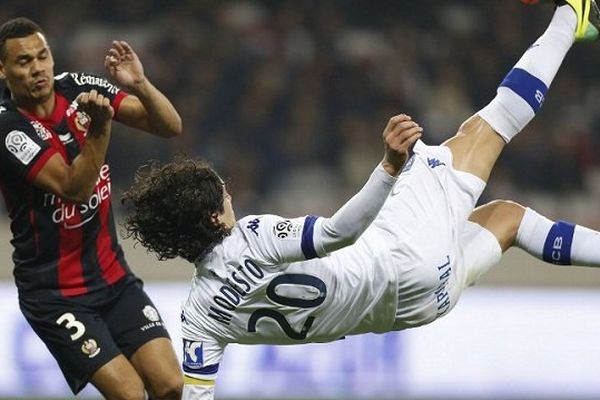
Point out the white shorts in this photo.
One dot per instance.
(433, 249)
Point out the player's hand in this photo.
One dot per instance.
(123, 65)
(399, 135)
(98, 108)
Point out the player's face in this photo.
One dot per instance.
(28, 69)
(227, 217)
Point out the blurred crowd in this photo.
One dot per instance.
(288, 98)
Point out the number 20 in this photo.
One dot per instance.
(297, 279)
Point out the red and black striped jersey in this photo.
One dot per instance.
(59, 246)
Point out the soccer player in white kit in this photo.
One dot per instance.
(396, 255)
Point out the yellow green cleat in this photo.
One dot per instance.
(588, 19)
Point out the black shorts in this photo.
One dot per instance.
(85, 332)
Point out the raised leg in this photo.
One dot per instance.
(480, 140)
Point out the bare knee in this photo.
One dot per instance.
(130, 394)
(475, 147)
(132, 390)
(158, 366)
(502, 218)
(118, 380)
(170, 388)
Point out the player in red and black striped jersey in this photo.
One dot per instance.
(75, 287)
(64, 246)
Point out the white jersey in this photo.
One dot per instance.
(240, 294)
(264, 284)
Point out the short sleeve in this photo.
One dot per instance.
(86, 82)
(277, 240)
(23, 150)
(201, 358)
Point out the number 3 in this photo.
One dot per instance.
(70, 322)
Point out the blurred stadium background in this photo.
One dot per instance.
(287, 98)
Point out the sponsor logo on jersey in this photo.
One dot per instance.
(183, 317)
(287, 229)
(434, 162)
(193, 356)
(90, 348)
(82, 121)
(74, 216)
(41, 130)
(66, 138)
(253, 225)
(21, 146)
(84, 79)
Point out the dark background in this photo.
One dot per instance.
(288, 98)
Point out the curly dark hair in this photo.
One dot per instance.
(170, 207)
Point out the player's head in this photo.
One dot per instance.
(26, 62)
(180, 208)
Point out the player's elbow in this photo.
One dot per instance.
(178, 131)
(174, 129)
(338, 244)
(349, 240)
(335, 239)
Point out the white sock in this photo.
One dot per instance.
(558, 242)
(532, 232)
(524, 88)
(585, 249)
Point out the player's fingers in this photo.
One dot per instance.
(408, 131)
(118, 47)
(405, 145)
(406, 138)
(401, 128)
(413, 138)
(93, 96)
(110, 63)
(404, 125)
(397, 124)
(397, 119)
(83, 98)
(126, 47)
(113, 54)
(101, 100)
(104, 103)
(394, 122)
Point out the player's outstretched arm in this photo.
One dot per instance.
(146, 108)
(288, 240)
(350, 221)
